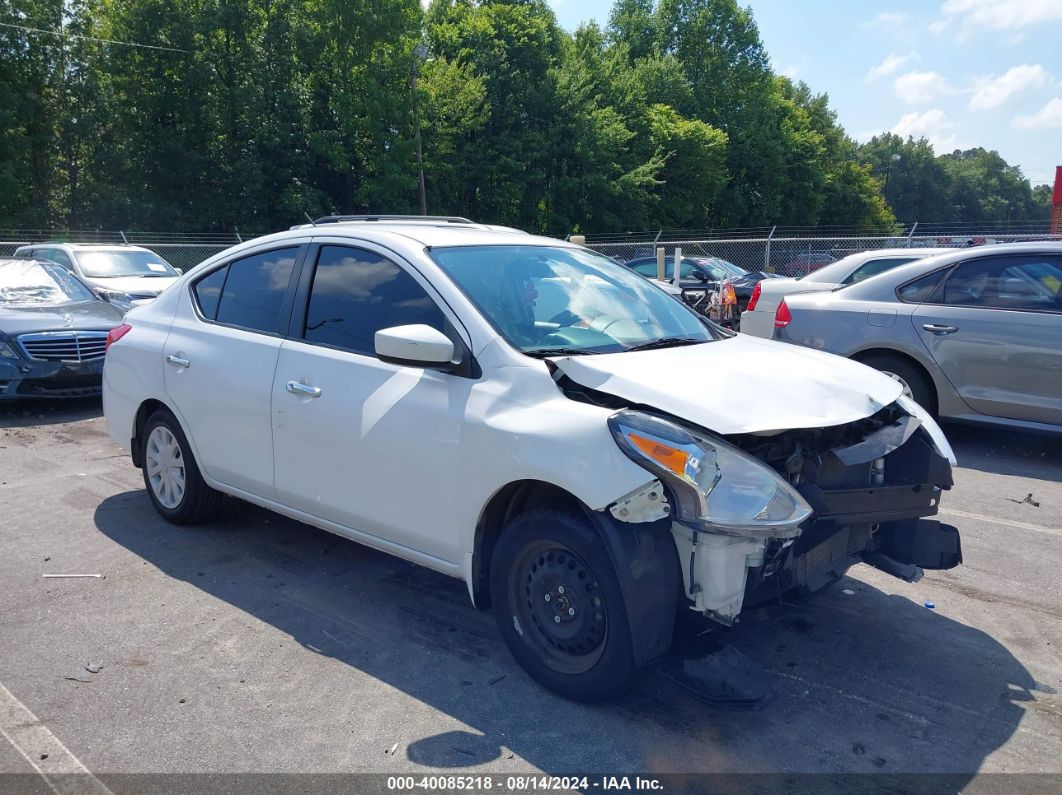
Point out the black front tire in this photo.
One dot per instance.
(199, 502)
(577, 642)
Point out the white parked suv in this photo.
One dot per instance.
(587, 454)
(124, 275)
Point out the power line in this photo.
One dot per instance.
(90, 38)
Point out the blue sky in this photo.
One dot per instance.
(962, 73)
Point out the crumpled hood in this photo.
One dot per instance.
(81, 316)
(135, 285)
(739, 385)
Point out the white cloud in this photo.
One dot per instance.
(933, 125)
(997, 14)
(991, 92)
(893, 63)
(1050, 115)
(920, 88)
(888, 19)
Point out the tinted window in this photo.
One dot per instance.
(1016, 282)
(874, 267)
(356, 293)
(254, 290)
(920, 290)
(208, 292)
(647, 269)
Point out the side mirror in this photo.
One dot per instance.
(416, 346)
(180, 271)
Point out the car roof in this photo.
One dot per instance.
(87, 246)
(841, 267)
(871, 287)
(431, 234)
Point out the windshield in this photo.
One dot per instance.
(36, 283)
(729, 268)
(545, 300)
(107, 263)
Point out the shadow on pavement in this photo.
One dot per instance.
(23, 413)
(1005, 451)
(867, 682)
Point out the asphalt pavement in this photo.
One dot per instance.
(258, 644)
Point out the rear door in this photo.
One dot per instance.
(995, 329)
(219, 361)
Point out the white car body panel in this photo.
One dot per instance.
(734, 385)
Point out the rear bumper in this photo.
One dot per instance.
(28, 379)
(757, 324)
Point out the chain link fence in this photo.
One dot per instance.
(788, 252)
(797, 253)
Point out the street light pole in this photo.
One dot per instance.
(420, 53)
(888, 170)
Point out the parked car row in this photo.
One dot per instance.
(58, 302)
(700, 277)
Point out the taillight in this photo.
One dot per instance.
(754, 299)
(116, 334)
(782, 318)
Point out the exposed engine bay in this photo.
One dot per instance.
(871, 483)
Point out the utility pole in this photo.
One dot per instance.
(888, 170)
(420, 53)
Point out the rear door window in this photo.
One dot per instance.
(254, 290)
(921, 289)
(1029, 282)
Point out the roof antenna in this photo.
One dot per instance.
(308, 218)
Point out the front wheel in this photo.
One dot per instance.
(171, 475)
(916, 385)
(559, 606)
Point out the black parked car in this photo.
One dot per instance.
(53, 332)
(701, 273)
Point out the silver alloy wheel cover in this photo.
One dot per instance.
(906, 387)
(165, 467)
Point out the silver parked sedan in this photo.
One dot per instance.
(974, 335)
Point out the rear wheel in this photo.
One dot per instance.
(916, 385)
(559, 606)
(171, 475)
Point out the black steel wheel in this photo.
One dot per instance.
(559, 606)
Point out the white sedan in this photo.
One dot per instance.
(587, 454)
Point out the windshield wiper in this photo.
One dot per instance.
(666, 342)
(558, 352)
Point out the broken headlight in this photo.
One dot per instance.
(717, 486)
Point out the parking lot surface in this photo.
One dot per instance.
(258, 644)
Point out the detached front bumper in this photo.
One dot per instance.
(20, 378)
(881, 522)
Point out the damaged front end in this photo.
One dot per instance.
(826, 499)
